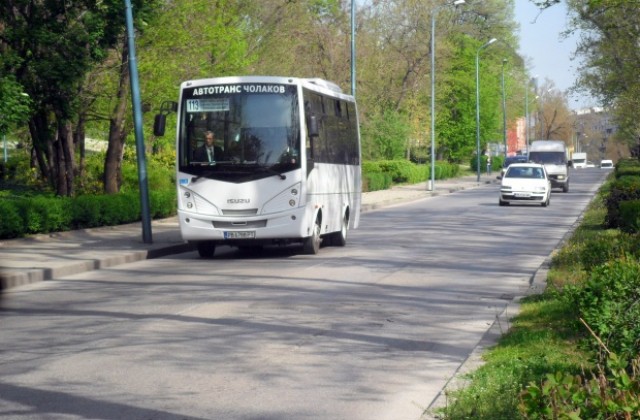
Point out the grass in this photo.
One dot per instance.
(544, 339)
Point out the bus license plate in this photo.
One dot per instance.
(241, 234)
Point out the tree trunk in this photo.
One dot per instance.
(38, 128)
(65, 138)
(79, 143)
(117, 134)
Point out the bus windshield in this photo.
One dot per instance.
(255, 126)
(552, 158)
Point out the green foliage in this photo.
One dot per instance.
(15, 104)
(609, 246)
(43, 214)
(402, 171)
(612, 392)
(627, 167)
(473, 162)
(622, 189)
(382, 174)
(375, 181)
(608, 303)
(163, 203)
(630, 216)
(11, 224)
(385, 136)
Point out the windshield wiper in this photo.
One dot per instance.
(274, 172)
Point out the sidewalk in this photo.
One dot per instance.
(49, 256)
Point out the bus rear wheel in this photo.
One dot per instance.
(311, 245)
(206, 249)
(339, 238)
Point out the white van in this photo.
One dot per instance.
(553, 155)
(606, 164)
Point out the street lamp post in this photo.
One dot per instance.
(504, 112)
(432, 171)
(485, 45)
(526, 116)
(353, 48)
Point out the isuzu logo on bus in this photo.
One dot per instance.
(238, 201)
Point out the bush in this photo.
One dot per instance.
(11, 224)
(608, 303)
(612, 392)
(473, 162)
(630, 216)
(118, 209)
(375, 181)
(625, 188)
(44, 214)
(163, 203)
(85, 211)
(608, 247)
(628, 167)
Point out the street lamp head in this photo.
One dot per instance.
(458, 2)
(491, 41)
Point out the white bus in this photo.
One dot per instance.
(290, 166)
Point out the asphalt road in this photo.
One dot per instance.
(374, 330)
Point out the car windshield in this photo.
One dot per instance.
(525, 172)
(514, 159)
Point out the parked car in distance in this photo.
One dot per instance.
(525, 183)
(606, 164)
(509, 160)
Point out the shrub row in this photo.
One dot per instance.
(624, 189)
(380, 175)
(44, 214)
(496, 163)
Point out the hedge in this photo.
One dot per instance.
(42, 214)
(625, 188)
(380, 175)
(630, 216)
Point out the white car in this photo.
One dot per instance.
(525, 183)
(606, 164)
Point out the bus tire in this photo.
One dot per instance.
(206, 249)
(311, 245)
(339, 238)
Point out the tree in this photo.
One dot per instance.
(554, 120)
(611, 57)
(50, 47)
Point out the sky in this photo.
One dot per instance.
(548, 53)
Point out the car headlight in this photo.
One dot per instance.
(560, 176)
(505, 188)
(540, 189)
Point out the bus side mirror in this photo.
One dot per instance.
(312, 127)
(159, 124)
(161, 118)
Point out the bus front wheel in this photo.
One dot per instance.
(206, 249)
(311, 245)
